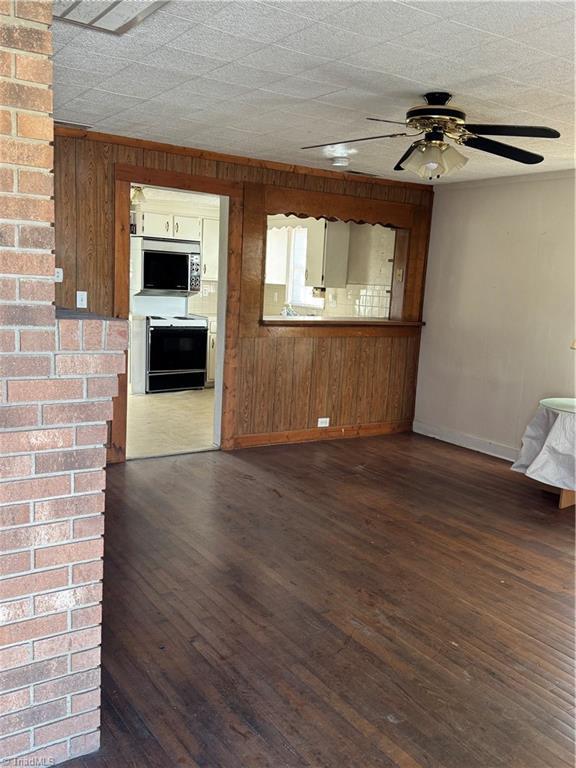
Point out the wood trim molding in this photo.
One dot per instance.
(116, 451)
(346, 328)
(80, 133)
(154, 177)
(344, 207)
(328, 433)
(337, 324)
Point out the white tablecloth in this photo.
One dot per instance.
(549, 448)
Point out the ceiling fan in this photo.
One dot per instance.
(432, 157)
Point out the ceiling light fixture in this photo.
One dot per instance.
(433, 159)
(137, 197)
(340, 161)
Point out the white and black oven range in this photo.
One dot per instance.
(176, 353)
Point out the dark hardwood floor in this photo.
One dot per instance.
(363, 603)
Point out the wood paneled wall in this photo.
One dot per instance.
(278, 380)
(363, 384)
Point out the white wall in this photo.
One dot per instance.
(498, 307)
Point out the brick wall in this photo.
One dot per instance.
(57, 377)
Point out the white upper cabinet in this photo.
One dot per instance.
(210, 248)
(187, 228)
(277, 251)
(336, 247)
(315, 251)
(371, 254)
(151, 224)
(156, 224)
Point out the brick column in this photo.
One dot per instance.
(57, 377)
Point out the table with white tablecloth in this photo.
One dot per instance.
(548, 452)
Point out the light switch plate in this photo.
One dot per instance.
(324, 422)
(58, 275)
(81, 299)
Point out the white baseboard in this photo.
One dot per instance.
(466, 441)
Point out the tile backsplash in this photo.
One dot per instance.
(358, 301)
(205, 302)
(353, 301)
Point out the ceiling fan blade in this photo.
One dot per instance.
(536, 131)
(503, 150)
(352, 141)
(405, 156)
(381, 120)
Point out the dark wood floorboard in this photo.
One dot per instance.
(376, 603)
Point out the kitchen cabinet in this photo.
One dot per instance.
(187, 228)
(277, 251)
(211, 369)
(156, 224)
(371, 254)
(327, 253)
(336, 245)
(152, 224)
(316, 229)
(210, 248)
(211, 357)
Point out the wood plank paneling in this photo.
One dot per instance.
(278, 380)
(319, 379)
(349, 401)
(366, 373)
(407, 410)
(66, 221)
(398, 355)
(244, 399)
(263, 385)
(155, 159)
(380, 376)
(95, 225)
(301, 382)
(283, 379)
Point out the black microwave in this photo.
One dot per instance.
(170, 267)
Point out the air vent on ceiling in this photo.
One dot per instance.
(113, 16)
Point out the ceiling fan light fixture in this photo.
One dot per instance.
(433, 159)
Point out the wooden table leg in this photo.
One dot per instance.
(567, 499)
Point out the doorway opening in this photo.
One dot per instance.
(177, 306)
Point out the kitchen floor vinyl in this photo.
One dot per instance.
(167, 423)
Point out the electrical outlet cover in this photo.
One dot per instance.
(324, 422)
(82, 299)
(58, 275)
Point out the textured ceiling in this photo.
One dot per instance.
(263, 79)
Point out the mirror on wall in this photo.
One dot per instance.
(323, 269)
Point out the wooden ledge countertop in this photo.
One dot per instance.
(319, 320)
